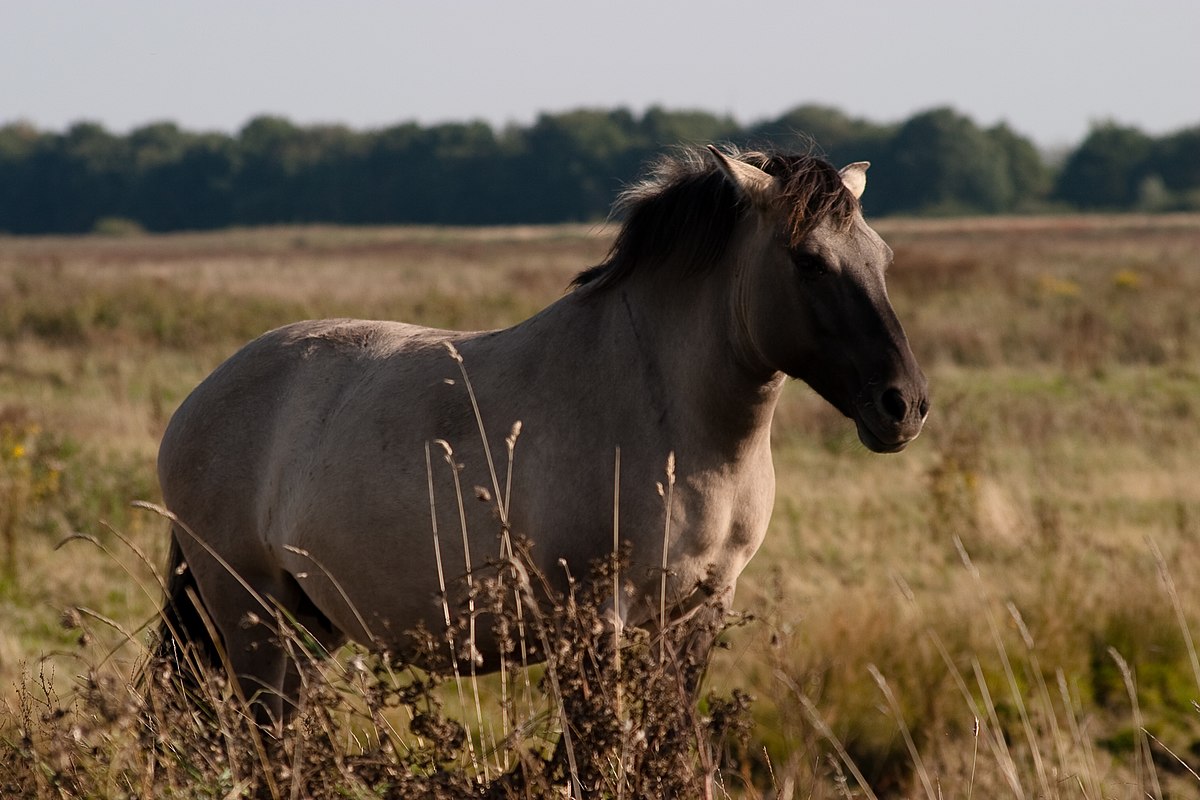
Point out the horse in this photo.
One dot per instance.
(300, 470)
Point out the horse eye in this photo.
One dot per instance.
(808, 264)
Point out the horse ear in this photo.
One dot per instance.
(752, 182)
(855, 177)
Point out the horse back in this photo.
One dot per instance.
(261, 406)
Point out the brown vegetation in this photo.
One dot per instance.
(975, 617)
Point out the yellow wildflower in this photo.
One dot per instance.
(1127, 279)
(1058, 287)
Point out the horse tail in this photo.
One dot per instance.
(185, 639)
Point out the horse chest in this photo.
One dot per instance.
(725, 527)
(716, 526)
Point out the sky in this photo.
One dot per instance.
(1049, 68)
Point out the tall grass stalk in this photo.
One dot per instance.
(898, 715)
(618, 619)
(1168, 583)
(815, 719)
(443, 594)
(1147, 772)
(669, 508)
(1014, 689)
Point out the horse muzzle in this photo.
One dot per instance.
(891, 419)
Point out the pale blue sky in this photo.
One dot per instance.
(1047, 67)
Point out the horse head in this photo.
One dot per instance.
(810, 298)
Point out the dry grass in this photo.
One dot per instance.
(367, 726)
(1064, 362)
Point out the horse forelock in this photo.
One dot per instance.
(684, 214)
(811, 190)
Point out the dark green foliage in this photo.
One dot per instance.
(563, 167)
(1174, 161)
(1106, 170)
(830, 132)
(1122, 168)
(940, 162)
(1027, 174)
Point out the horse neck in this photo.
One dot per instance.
(685, 333)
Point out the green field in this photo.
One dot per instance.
(1015, 579)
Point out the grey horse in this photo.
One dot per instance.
(299, 471)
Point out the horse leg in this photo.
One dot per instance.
(693, 645)
(244, 609)
(316, 639)
(257, 654)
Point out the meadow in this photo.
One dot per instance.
(1005, 609)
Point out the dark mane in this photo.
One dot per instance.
(685, 212)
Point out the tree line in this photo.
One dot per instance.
(562, 167)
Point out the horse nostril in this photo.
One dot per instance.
(924, 407)
(893, 403)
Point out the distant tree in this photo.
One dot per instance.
(19, 142)
(260, 190)
(74, 179)
(163, 193)
(1106, 170)
(388, 191)
(191, 191)
(456, 170)
(1028, 174)
(565, 166)
(941, 162)
(575, 162)
(827, 130)
(157, 144)
(452, 173)
(327, 177)
(661, 128)
(1174, 161)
